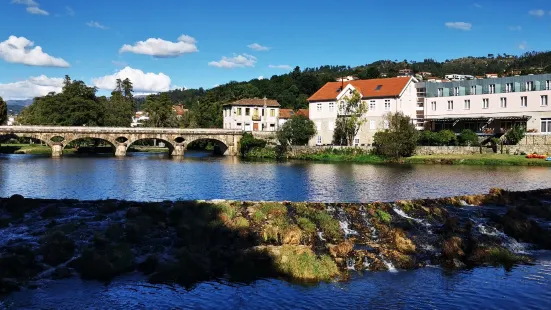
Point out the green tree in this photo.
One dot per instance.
(118, 110)
(296, 131)
(399, 140)
(159, 108)
(468, 138)
(350, 119)
(248, 142)
(515, 135)
(370, 72)
(3, 111)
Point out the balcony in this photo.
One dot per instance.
(256, 117)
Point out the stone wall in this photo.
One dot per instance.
(448, 150)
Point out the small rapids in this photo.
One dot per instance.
(401, 213)
(510, 243)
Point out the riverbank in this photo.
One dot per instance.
(29, 149)
(187, 242)
(362, 156)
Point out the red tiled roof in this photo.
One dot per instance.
(288, 113)
(179, 109)
(391, 87)
(255, 102)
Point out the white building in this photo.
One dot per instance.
(252, 115)
(139, 119)
(489, 106)
(11, 121)
(380, 95)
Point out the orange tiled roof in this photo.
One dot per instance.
(179, 109)
(255, 102)
(288, 113)
(391, 87)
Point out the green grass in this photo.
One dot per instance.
(148, 149)
(31, 149)
(383, 216)
(303, 264)
(478, 159)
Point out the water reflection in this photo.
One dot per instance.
(159, 177)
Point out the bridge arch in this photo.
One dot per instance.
(171, 145)
(71, 140)
(221, 146)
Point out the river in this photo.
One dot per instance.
(155, 177)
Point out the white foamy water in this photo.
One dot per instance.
(510, 243)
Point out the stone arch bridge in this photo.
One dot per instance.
(225, 140)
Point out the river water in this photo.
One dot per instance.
(153, 177)
(156, 177)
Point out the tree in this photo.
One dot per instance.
(3, 111)
(118, 110)
(515, 135)
(369, 73)
(350, 119)
(160, 111)
(296, 131)
(399, 140)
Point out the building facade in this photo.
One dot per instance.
(488, 106)
(381, 96)
(252, 115)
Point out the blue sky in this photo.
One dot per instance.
(85, 39)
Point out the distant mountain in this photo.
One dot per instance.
(15, 106)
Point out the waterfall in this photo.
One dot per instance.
(388, 264)
(320, 235)
(344, 226)
(510, 243)
(366, 263)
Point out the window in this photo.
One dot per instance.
(485, 103)
(255, 112)
(433, 105)
(319, 140)
(492, 88)
(372, 105)
(372, 125)
(386, 124)
(356, 142)
(548, 85)
(440, 92)
(239, 111)
(509, 87)
(331, 126)
(473, 90)
(456, 91)
(387, 105)
(331, 106)
(247, 111)
(272, 112)
(523, 102)
(544, 101)
(450, 105)
(239, 126)
(319, 107)
(546, 125)
(341, 107)
(503, 102)
(529, 86)
(378, 87)
(467, 104)
(262, 111)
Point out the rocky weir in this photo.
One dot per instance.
(187, 242)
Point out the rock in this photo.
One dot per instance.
(115, 232)
(51, 224)
(104, 264)
(451, 225)
(133, 212)
(452, 248)
(342, 249)
(57, 248)
(19, 263)
(403, 243)
(8, 286)
(149, 265)
(292, 236)
(108, 206)
(517, 225)
(457, 264)
(62, 273)
(50, 211)
(15, 204)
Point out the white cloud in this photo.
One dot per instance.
(477, 5)
(143, 82)
(33, 87)
(515, 28)
(523, 45)
(94, 24)
(25, 2)
(459, 25)
(37, 11)
(257, 47)
(237, 61)
(20, 50)
(538, 13)
(261, 77)
(283, 67)
(162, 48)
(69, 11)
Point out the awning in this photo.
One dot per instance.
(504, 118)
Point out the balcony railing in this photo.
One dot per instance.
(256, 117)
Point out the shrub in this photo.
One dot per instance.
(297, 131)
(399, 140)
(515, 135)
(383, 216)
(428, 138)
(447, 138)
(468, 138)
(249, 142)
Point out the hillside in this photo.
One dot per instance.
(292, 89)
(15, 106)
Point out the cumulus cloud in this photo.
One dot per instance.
(257, 47)
(459, 25)
(237, 61)
(143, 82)
(538, 13)
(37, 11)
(283, 67)
(20, 50)
(33, 87)
(261, 77)
(162, 48)
(94, 24)
(523, 45)
(25, 2)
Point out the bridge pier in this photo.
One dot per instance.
(120, 150)
(57, 150)
(179, 150)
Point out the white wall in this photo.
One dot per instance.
(234, 121)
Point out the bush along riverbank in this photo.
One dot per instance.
(186, 242)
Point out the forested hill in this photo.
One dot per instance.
(292, 89)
